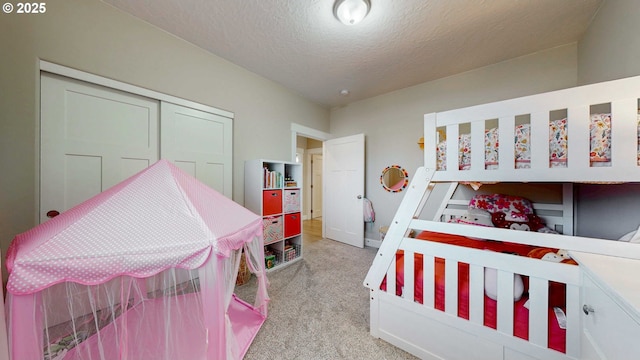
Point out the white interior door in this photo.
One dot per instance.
(343, 179)
(92, 138)
(200, 143)
(316, 183)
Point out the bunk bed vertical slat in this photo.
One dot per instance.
(409, 266)
(574, 320)
(391, 275)
(578, 144)
(538, 307)
(505, 302)
(428, 286)
(476, 294)
(539, 140)
(453, 132)
(506, 151)
(477, 145)
(451, 286)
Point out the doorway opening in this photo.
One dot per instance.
(307, 148)
(309, 153)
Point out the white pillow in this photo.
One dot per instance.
(491, 284)
(632, 237)
(626, 237)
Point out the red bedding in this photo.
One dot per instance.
(556, 335)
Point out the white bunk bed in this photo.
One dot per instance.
(602, 305)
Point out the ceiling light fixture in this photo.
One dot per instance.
(351, 12)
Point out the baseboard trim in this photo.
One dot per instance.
(372, 242)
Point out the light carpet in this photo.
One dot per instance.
(319, 308)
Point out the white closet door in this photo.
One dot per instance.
(92, 137)
(200, 143)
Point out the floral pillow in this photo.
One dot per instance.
(507, 204)
(464, 153)
(558, 143)
(522, 149)
(517, 221)
(600, 137)
(491, 143)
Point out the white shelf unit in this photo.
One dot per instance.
(273, 189)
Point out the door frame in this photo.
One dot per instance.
(304, 131)
(308, 162)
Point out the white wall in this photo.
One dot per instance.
(91, 36)
(609, 50)
(607, 211)
(393, 123)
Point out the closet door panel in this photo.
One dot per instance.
(82, 178)
(91, 138)
(200, 143)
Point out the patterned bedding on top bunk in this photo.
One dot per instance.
(505, 211)
(600, 145)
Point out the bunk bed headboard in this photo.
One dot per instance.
(574, 109)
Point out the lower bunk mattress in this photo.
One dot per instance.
(557, 291)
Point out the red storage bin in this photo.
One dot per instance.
(292, 224)
(271, 202)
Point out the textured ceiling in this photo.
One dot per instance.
(299, 44)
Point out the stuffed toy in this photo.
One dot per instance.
(553, 255)
(517, 221)
(476, 217)
(557, 291)
(491, 284)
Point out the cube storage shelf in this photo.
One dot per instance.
(273, 189)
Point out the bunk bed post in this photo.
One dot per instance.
(430, 135)
(568, 211)
(410, 207)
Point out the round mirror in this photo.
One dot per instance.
(394, 178)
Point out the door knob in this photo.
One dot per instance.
(52, 213)
(587, 309)
(359, 196)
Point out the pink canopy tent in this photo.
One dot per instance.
(144, 270)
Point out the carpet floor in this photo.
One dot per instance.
(319, 308)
